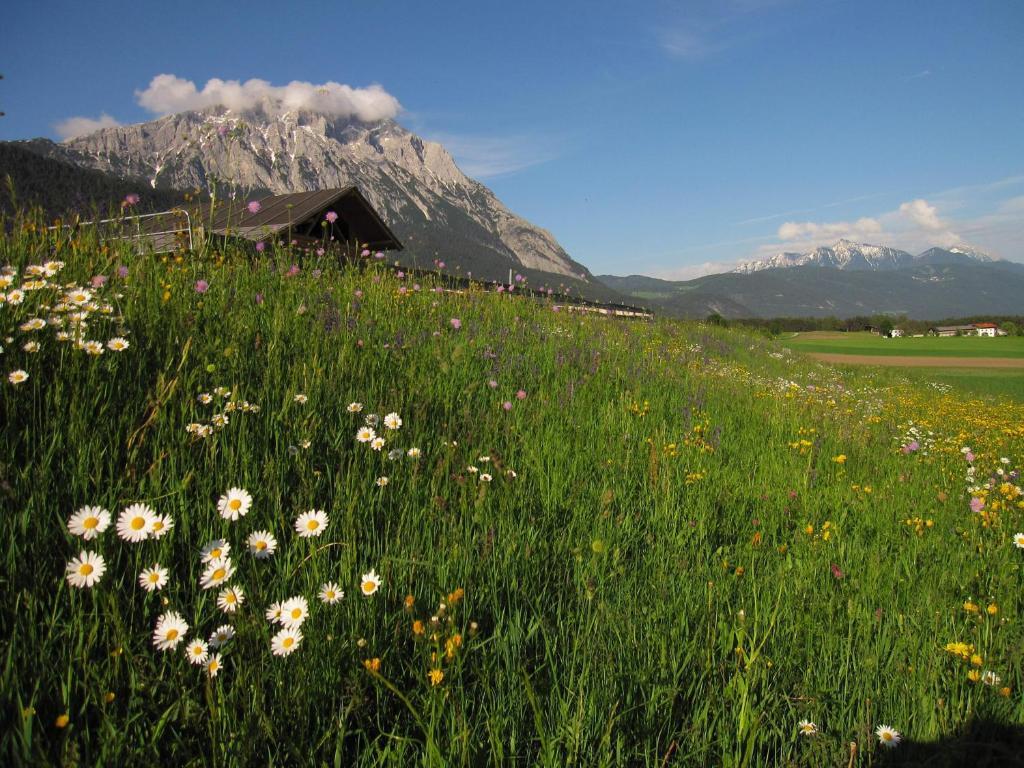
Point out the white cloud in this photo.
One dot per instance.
(167, 94)
(483, 157)
(922, 213)
(80, 126)
(865, 227)
(693, 271)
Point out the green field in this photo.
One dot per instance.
(926, 346)
(599, 542)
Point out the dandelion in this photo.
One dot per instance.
(293, 612)
(330, 594)
(372, 665)
(807, 728)
(135, 523)
(393, 421)
(197, 651)
(369, 583)
(262, 544)
(85, 570)
(887, 736)
(286, 641)
(170, 631)
(377, 443)
(152, 579)
(218, 571)
(364, 435)
(213, 665)
(215, 550)
(230, 598)
(62, 720)
(118, 344)
(234, 504)
(311, 523)
(89, 522)
(17, 377)
(435, 676)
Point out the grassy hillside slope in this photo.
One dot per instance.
(599, 542)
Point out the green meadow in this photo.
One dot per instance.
(863, 343)
(598, 542)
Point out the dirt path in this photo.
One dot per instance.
(908, 361)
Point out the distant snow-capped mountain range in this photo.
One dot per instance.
(847, 255)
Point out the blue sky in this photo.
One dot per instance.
(663, 138)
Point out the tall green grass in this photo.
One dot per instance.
(655, 575)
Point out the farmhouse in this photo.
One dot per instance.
(987, 329)
(974, 329)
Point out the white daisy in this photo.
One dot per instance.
(222, 392)
(300, 399)
(161, 525)
(221, 635)
(93, 347)
(273, 613)
(89, 522)
(887, 736)
(118, 344)
(330, 594)
(377, 443)
(393, 421)
(234, 504)
(215, 549)
(262, 544)
(364, 435)
(213, 665)
(153, 578)
(30, 346)
(1018, 540)
(33, 324)
(294, 611)
(220, 421)
(205, 398)
(354, 407)
(485, 478)
(135, 523)
(218, 571)
(414, 453)
(85, 570)
(988, 677)
(230, 598)
(197, 651)
(382, 481)
(807, 728)
(311, 523)
(285, 641)
(369, 583)
(170, 631)
(19, 376)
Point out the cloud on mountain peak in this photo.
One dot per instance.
(167, 94)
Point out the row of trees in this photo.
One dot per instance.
(1012, 324)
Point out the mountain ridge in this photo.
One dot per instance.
(848, 255)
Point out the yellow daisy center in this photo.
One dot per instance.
(296, 613)
(172, 634)
(86, 569)
(235, 504)
(158, 525)
(214, 553)
(312, 525)
(219, 574)
(229, 598)
(261, 545)
(153, 577)
(90, 522)
(288, 641)
(369, 586)
(138, 523)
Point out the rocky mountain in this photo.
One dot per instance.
(434, 208)
(937, 284)
(847, 255)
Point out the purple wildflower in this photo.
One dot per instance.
(98, 281)
(202, 286)
(507, 405)
(977, 504)
(331, 216)
(122, 271)
(261, 246)
(455, 323)
(254, 206)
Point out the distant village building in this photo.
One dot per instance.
(974, 329)
(895, 333)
